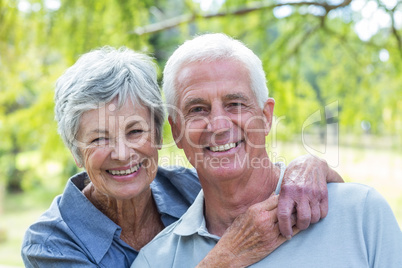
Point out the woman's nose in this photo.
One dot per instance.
(121, 150)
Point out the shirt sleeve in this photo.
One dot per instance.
(44, 255)
(382, 233)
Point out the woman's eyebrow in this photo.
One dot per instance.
(99, 131)
(133, 123)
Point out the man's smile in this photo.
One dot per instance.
(224, 147)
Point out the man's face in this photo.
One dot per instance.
(221, 127)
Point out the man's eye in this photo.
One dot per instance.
(197, 110)
(236, 104)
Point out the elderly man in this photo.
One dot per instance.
(222, 119)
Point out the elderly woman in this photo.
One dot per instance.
(110, 115)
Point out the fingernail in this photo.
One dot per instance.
(288, 237)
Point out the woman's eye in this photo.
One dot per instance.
(98, 140)
(136, 131)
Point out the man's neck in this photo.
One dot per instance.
(226, 201)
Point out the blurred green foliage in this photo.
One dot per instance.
(312, 55)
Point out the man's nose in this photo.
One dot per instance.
(219, 122)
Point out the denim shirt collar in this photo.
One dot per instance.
(174, 190)
(172, 201)
(78, 213)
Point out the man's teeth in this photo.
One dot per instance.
(125, 172)
(222, 148)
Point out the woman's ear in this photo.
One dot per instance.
(268, 114)
(160, 144)
(78, 163)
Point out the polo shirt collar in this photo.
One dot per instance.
(193, 221)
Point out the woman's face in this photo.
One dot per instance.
(118, 149)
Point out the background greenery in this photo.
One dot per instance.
(315, 53)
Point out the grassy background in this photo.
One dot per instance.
(19, 212)
(367, 163)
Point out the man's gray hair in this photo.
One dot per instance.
(99, 77)
(210, 48)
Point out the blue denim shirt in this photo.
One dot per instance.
(74, 233)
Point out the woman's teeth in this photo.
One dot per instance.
(222, 148)
(125, 172)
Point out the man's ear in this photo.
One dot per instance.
(176, 132)
(268, 114)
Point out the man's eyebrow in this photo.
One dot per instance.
(236, 96)
(192, 101)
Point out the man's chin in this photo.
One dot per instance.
(224, 172)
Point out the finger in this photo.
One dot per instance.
(293, 219)
(266, 205)
(324, 206)
(285, 208)
(271, 203)
(315, 212)
(281, 239)
(333, 176)
(295, 230)
(303, 215)
(274, 216)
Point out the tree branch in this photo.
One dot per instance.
(343, 42)
(396, 34)
(163, 25)
(187, 18)
(303, 39)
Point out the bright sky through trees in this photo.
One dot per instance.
(373, 17)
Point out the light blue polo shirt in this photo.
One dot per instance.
(359, 231)
(74, 233)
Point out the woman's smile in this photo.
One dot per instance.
(122, 172)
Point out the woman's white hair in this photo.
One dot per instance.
(210, 48)
(99, 77)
